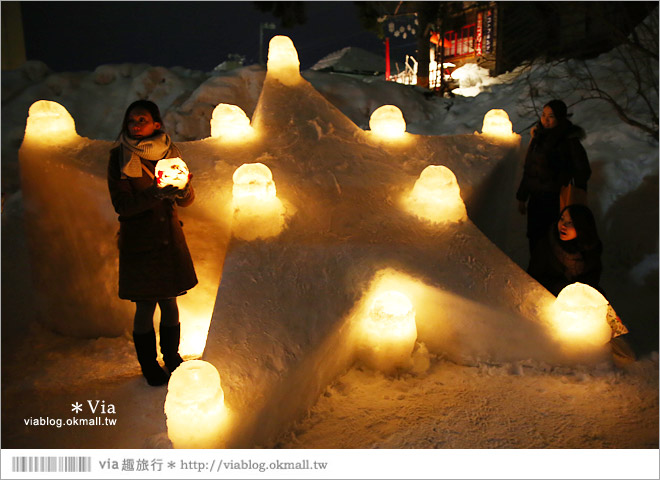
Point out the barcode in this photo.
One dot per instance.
(51, 464)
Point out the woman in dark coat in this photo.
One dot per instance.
(555, 157)
(569, 252)
(154, 262)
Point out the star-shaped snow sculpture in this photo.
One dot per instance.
(282, 308)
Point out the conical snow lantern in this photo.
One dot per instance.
(497, 124)
(253, 181)
(229, 122)
(388, 122)
(580, 316)
(49, 122)
(436, 196)
(389, 331)
(283, 62)
(172, 171)
(195, 406)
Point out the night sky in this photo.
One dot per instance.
(76, 36)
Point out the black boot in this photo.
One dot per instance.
(169, 346)
(145, 346)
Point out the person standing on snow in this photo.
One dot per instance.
(555, 157)
(155, 265)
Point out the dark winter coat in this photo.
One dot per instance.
(554, 157)
(556, 264)
(154, 261)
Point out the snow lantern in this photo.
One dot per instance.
(253, 181)
(172, 171)
(497, 124)
(390, 330)
(257, 212)
(49, 121)
(230, 122)
(195, 406)
(580, 316)
(387, 122)
(436, 196)
(283, 60)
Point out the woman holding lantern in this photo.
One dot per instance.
(555, 158)
(155, 265)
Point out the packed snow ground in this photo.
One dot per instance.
(450, 404)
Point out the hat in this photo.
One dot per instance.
(558, 108)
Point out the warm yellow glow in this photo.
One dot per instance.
(283, 61)
(253, 180)
(436, 196)
(194, 406)
(49, 121)
(389, 331)
(257, 212)
(497, 124)
(195, 322)
(172, 171)
(387, 122)
(580, 316)
(229, 122)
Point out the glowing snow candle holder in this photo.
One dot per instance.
(283, 63)
(436, 196)
(497, 124)
(580, 316)
(388, 122)
(229, 122)
(253, 181)
(49, 122)
(172, 171)
(257, 212)
(195, 407)
(389, 331)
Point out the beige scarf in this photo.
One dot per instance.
(152, 148)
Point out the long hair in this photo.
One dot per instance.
(585, 226)
(147, 105)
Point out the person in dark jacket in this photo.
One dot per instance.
(155, 266)
(569, 252)
(555, 157)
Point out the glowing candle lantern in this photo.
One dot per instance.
(49, 121)
(172, 171)
(390, 331)
(283, 60)
(387, 122)
(253, 181)
(436, 196)
(580, 316)
(194, 406)
(230, 122)
(497, 124)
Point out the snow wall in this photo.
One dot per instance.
(283, 309)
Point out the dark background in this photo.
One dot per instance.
(76, 36)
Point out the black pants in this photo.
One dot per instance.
(542, 212)
(144, 314)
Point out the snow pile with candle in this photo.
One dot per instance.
(282, 306)
(436, 196)
(195, 406)
(580, 317)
